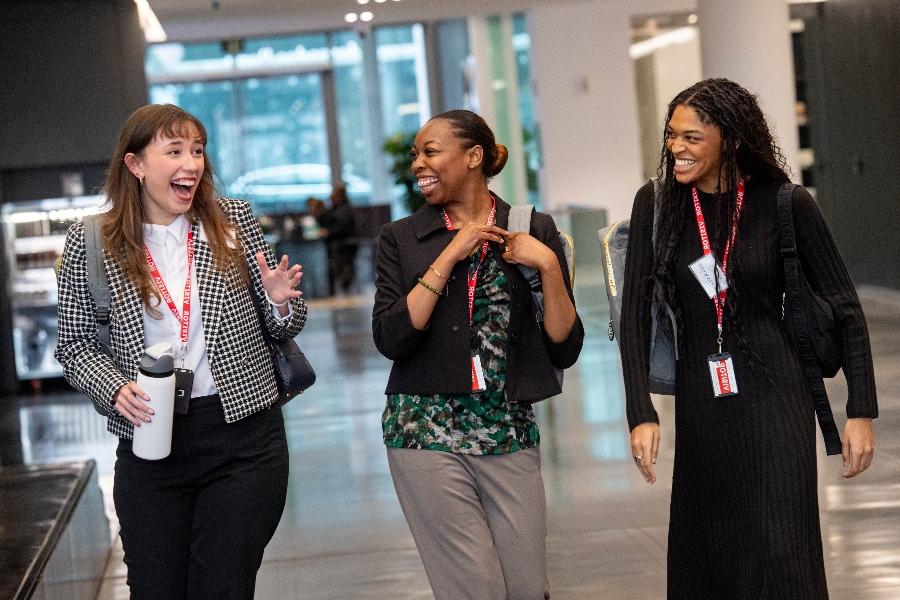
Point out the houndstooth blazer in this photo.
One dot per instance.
(240, 363)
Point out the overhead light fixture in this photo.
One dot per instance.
(153, 31)
(692, 19)
(351, 17)
(380, 1)
(362, 1)
(366, 16)
(681, 35)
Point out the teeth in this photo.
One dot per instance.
(426, 181)
(187, 182)
(684, 162)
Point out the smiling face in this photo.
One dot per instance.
(443, 168)
(696, 147)
(171, 168)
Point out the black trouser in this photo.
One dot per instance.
(195, 524)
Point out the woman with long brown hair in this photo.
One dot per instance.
(194, 524)
(744, 521)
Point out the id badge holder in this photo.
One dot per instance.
(721, 372)
(478, 384)
(706, 270)
(184, 383)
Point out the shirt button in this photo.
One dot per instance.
(455, 327)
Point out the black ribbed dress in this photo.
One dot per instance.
(744, 520)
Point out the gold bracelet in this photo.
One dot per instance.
(425, 285)
(436, 272)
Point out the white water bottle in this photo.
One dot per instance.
(156, 376)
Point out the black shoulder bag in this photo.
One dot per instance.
(810, 322)
(293, 373)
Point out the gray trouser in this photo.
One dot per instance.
(479, 522)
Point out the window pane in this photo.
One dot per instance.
(401, 55)
(284, 145)
(347, 70)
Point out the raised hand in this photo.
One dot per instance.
(280, 282)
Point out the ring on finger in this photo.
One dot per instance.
(638, 458)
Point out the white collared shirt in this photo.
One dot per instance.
(168, 246)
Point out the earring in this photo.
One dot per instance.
(141, 180)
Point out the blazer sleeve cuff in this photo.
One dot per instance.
(396, 332)
(564, 354)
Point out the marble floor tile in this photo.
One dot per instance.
(343, 535)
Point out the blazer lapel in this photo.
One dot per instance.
(212, 291)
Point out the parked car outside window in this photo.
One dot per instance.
(286, 188)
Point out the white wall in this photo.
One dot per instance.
(586, 105)
(750, 43)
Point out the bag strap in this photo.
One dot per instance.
(520, 221)
(520, 218)
(799, 319)
(97, 281)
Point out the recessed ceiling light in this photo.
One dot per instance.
(362, 1)
(365, 16)
(380, 1)
(692, 19)
(351, 17)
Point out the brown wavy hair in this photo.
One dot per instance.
(472, 129)
(123, 225)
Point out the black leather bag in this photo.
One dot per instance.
(810, 323)
(293, 373)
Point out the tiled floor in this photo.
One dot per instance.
(343, 535)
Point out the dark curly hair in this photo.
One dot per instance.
(747, 150)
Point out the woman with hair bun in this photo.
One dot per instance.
(455, 314)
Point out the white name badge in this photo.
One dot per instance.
(721, 371)
(703, 269)
(478, 384)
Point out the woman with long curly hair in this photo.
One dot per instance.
(744, 521)
(194, 524)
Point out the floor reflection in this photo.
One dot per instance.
(343, 535)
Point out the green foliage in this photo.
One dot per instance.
(397, 147)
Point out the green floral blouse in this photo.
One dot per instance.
(480, 422)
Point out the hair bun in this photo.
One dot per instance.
(500, 161)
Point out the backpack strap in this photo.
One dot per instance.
(795, 303)
(97, 282)
(520, 221)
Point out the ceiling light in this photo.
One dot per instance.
(153, 31)
(365, 16)
(692, 19)
(380, 1)
(351, 17)
(362, 1)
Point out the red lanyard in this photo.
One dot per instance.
(472, 278)
(719, 299)
(184, 318)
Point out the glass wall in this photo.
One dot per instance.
(279, 111)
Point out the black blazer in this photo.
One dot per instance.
(438, 359)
